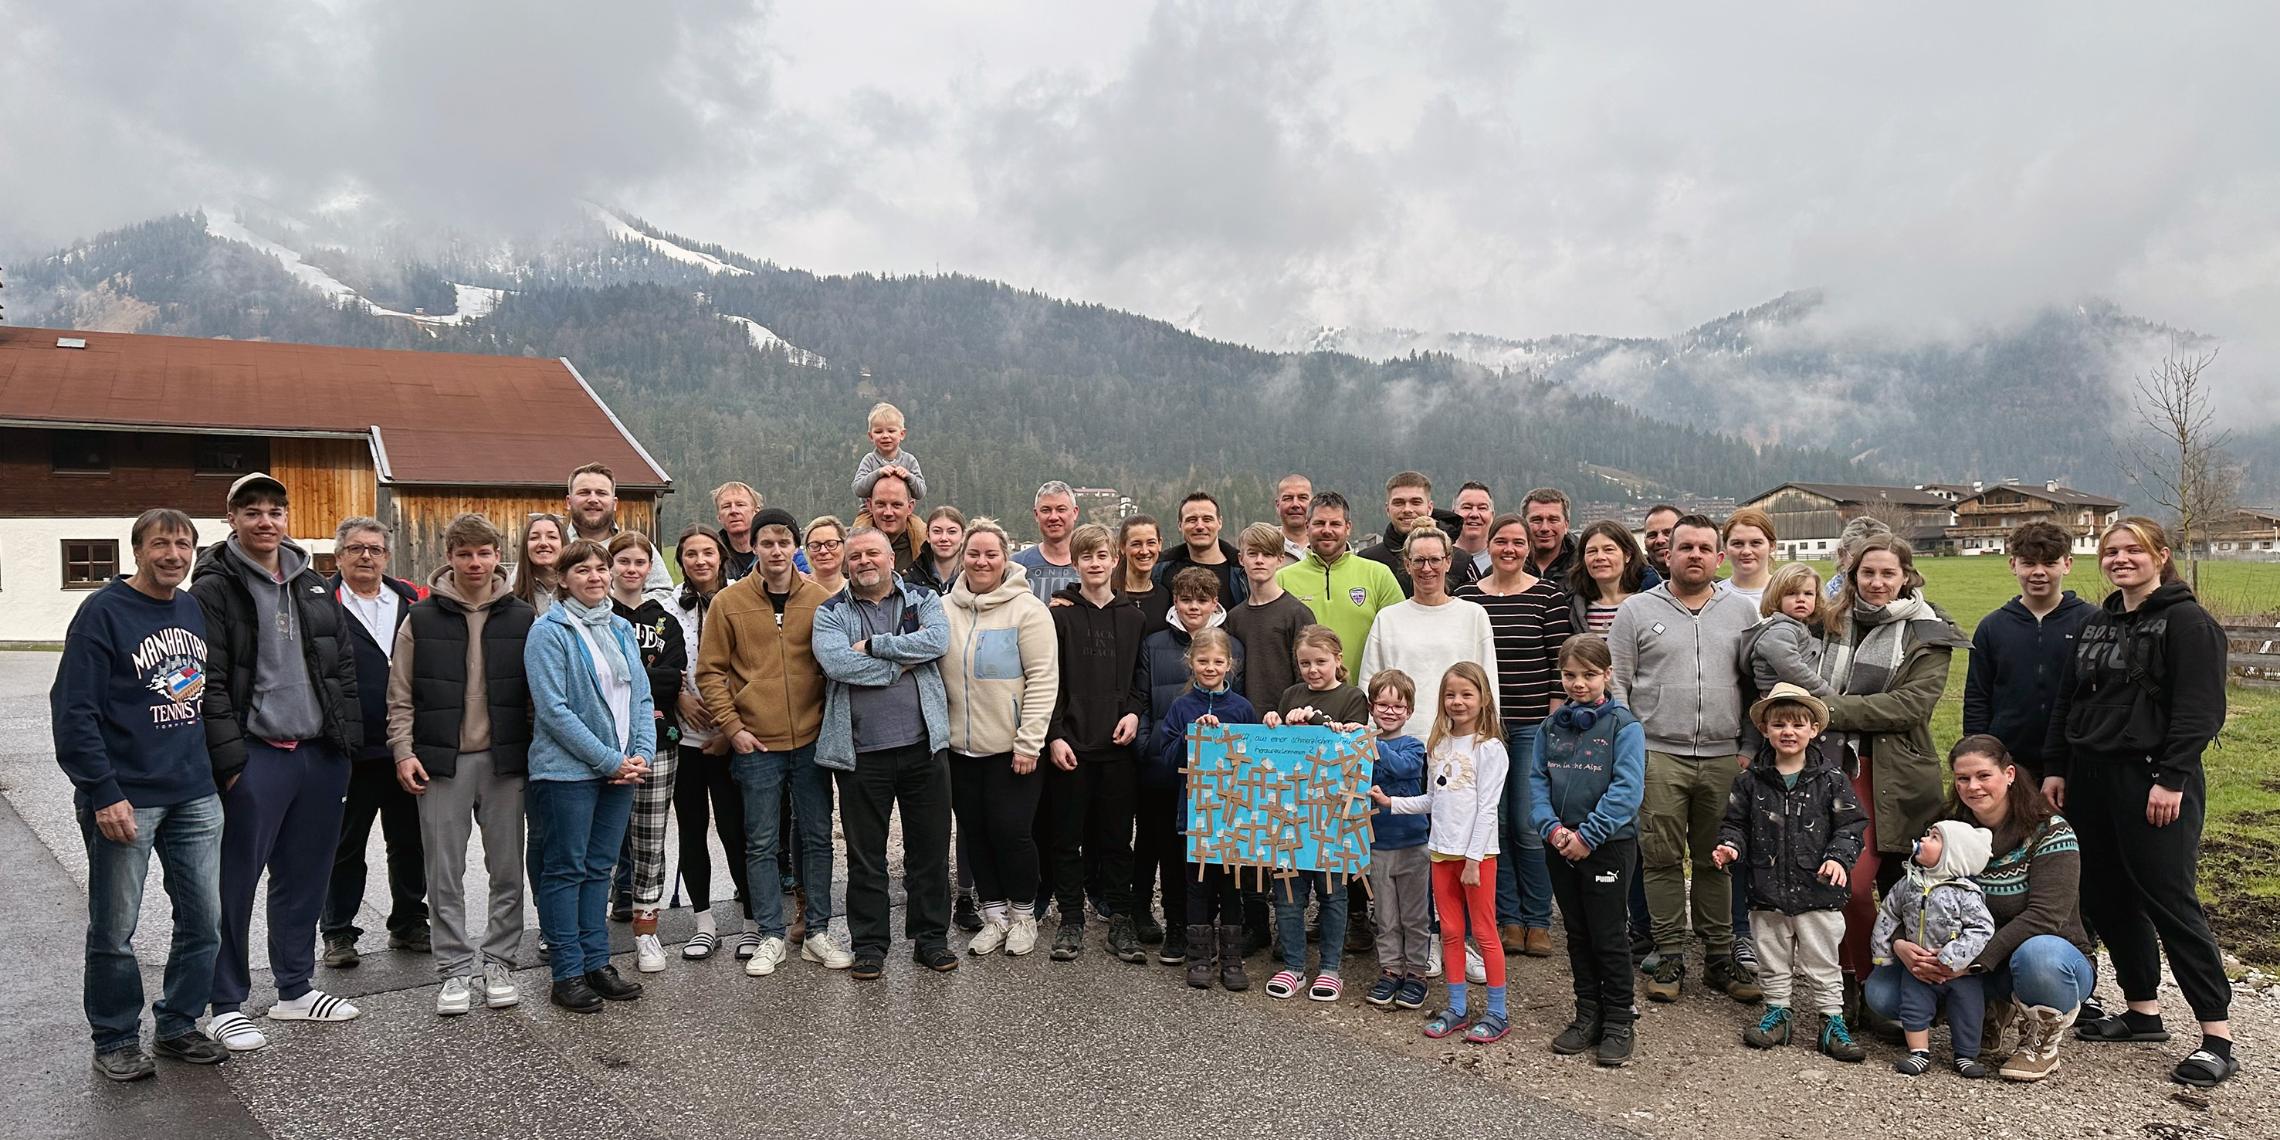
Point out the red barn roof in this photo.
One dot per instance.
(437, 417)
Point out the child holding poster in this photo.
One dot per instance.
(1464, 781)
(1214, 907)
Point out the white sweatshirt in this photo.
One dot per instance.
(1423, 641)
(1464, 782)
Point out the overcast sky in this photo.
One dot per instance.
(1261, 167)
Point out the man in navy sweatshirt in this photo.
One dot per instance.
(2019, 652)
(129, 731)
(282, 720)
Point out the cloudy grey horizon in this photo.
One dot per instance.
(1246, 170)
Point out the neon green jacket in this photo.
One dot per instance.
(1346, 596)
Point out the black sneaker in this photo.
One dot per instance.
(936, 958)
(1174, 950)
(340, 951)
(621, 909)
(963, 915)
(1068, 941)
(575, 995)
(192, 1048)
(415, 941)
(1615, 1043)
(867, 968)
(1122, 942)
(125, 1064)
(1582, 1033)
(1146, 929)
(610, 986)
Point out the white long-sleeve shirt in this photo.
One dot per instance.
(1423, 641)
(1464, 783)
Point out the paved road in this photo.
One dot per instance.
(1004, 1047)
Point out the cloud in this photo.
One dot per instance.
(1458, 164)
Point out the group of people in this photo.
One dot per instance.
(1560, 718)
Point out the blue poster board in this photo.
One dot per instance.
(1279, 799)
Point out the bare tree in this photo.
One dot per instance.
(2179, 457)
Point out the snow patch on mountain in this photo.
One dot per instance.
(470, 302)
(766, 340)
(623, 232)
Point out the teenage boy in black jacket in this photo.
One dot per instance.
(1088, 784)
(2019, 651)
(282, 719)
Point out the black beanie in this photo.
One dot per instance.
(777, 516)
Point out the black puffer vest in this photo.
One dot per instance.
(439, 682)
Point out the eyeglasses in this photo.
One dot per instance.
(364, 550)
(825, 544)
(1429, 561)
(1390, 706)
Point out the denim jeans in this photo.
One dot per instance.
(188, 839)
(1290, 919)
(1523, 885)
(762, 775)
(2045, 970)
(580, 824)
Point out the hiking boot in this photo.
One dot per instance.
(1664, 983)
(1997, 1016)
(340, 951)
(1582, 1033)
(1121, 941)
(1615, 1043)
(2041, 1028)
(1068, 942)
(1771, 1030)
(1836, 1040)
(1514, 937)
(1537, 942)
(1727, 976)
(1231, 942)
(1202, 965)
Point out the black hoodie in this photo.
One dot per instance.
(1387, 549)
(1100, 655)
(2016, 663)
(1234, 586)
(2143, 686)
(663, 656)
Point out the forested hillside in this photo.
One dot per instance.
(1004, 388)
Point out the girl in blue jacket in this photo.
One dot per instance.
(593, 734)
(1587, 779)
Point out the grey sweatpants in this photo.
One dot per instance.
(450, 810)
(1402, 881)
(1800, 951)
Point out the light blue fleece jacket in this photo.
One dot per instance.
(923, 638)
(572, 737)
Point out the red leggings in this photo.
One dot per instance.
(1464, 908)
(1860, 909)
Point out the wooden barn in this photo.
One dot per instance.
(1807, 517)
(96, 427)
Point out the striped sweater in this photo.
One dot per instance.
(2034, 888)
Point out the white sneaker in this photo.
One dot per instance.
(1476, 969)
(236, 1032)
(648, 954)
(818, 948)
(991, 936)
(1433, 956)
(1021, 936)
(499, 986)
(316, 1005)
(454, 998)
(766, 957)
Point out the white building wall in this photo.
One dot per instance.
(34, 606)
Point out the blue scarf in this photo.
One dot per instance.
(597, 620)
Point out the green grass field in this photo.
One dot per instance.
(2239, 880)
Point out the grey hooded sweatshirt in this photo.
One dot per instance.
(1679, 669)
(284, 704)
